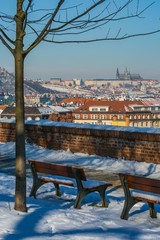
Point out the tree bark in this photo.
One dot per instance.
(20, 187)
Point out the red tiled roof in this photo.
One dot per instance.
(2, 107)
(151, 102)
(74, 100)
(114, 106)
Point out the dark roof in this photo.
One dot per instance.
(28, 111)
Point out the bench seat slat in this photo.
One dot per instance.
(144, 187)
(143, 181)
(138, 179)
(54, 171)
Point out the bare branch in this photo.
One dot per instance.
(7, 45)
(137, 6)
(44, 31)
(118, 33)
(26, 13)
(95, 20)
(58, 24)
(108, 33)
(6, 37)
(47, 28)
(106, 38)
(139, 13)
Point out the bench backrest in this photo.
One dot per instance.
(141, 183)
(58, 169)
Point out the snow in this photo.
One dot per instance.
(92, 183)
(50, 217)
(146, 195)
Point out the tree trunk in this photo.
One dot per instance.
(20, 188)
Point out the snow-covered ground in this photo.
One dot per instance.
(50, 217)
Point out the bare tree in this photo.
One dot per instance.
(58, 21)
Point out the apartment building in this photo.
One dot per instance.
(119, 113)
(32, 99)
(31, 113)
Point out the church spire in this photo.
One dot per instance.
(117, 74)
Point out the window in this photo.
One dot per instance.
(29, 118)
(111, 116)
(85, 116)
(94, 109)
(120, 116)
(94, 116)
(102, 109)
(102, 116)
(77, 116)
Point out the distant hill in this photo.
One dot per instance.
(7, 84)
(35, 86)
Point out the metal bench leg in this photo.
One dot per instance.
(33, 191)
(128, 204)
(103, 198)
(36, 185)
(58, 193)
(152, 211)
(79, 198)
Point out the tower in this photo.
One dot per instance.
(117, 74)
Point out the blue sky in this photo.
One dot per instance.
(95, 60)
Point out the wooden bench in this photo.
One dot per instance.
(71, 176)
(137, 189)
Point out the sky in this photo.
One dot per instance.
(50, 217)
(95, 60)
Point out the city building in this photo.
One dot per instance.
(127, 75)
(31, 113)
(119, 113)
(74, 102)
(31, 99)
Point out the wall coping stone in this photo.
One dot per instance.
(87, 126)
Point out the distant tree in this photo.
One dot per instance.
(70, 84)
(58, 21)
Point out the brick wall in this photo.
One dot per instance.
(117, 142)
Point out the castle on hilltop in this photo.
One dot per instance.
(127, 75)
